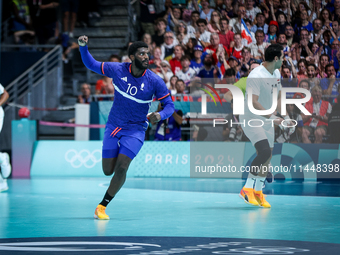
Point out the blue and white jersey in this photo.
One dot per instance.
(132, 96)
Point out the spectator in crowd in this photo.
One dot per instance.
(251, 11)
(163, 70)
(172, 87)
(148, 40)
(192, 27)
(271, 37)
(156, 60)
(214, 24)
(69, 9)
(175, 62)
(330, 84)
(302, 73)
(187, 73)
(85, 97)
(289, 32)
(202, 35)
(158, 37)
(235, 65)
(170, 128)
(182, 34)
(246, 61)
(226, 36)
(236, 47)
(147, 16)
(323, 62)
(229, 11)
(181, 92)
(168, 46)
(175, 18)
(235, 23)
(311, 73)
(205, 12)
(258, 47)
(114, 58)
(282, 22)
(325, 17)
(316, 124)
(260, 23)
(189, 47)
(317, 32)
(196, 62)
(209, 71)
(22, 20)
(44, 17)
(102, 85)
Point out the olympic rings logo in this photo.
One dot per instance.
(83, 157)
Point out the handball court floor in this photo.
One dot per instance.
(168, 216)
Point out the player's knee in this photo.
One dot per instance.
(120, 170)
(107, 170)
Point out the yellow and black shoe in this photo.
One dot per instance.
(100, 213)
(247, 194)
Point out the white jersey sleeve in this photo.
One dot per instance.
(2, 89)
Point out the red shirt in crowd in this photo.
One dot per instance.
(175, 65)
(227, 38)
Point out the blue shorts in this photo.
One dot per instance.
(117, 141)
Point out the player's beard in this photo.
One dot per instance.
(140, 65)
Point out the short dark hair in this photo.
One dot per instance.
(274, 50)
(186, 57)
(260, 14)
(312, 66)
(306, 81)
(135, 46)
(161, 20)
(180, 80)
(328, 66)
(201, 21)
(115, 56)
(229, 72)
(195, 12)
(225, 20)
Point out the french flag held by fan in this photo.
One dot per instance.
(245, 33)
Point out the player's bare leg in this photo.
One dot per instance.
(108, 165)
(119, 167)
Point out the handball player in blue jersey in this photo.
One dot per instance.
(135, 87)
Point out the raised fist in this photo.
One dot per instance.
(83, 40)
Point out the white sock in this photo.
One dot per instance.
(1, 179)
(250, 181)
(259, 183)
(2, 157)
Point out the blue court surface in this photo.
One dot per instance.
(168, 216)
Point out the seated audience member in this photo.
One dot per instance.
(316, 124)
(197, 62)
(85, 97)
(175, 62)
(226, 36)
(102, 84)
(187, 73)
(330, 85)
(168, 46)
(236, 47)
(172, 87)
(170, 128)
(202, 34)
(209, 71)
(181, 92)
(158, 37)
